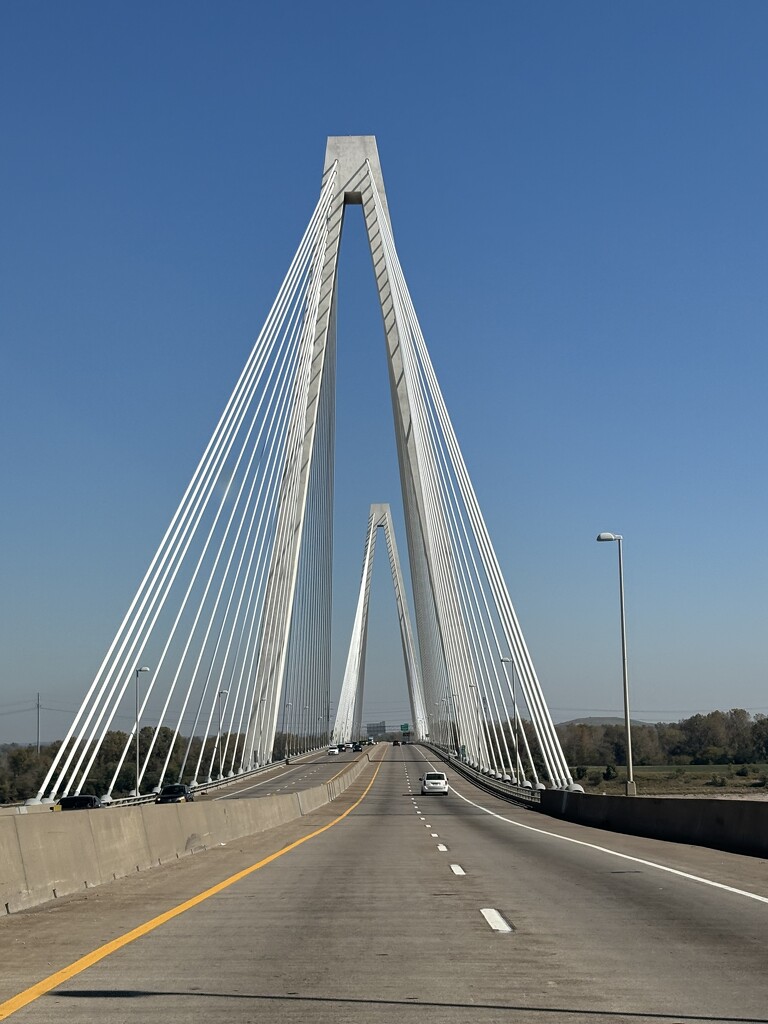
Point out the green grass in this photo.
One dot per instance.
(682, 780)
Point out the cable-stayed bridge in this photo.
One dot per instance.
(346, 891)
(228, 636)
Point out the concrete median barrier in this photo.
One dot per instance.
(738, 826)
(44, 856)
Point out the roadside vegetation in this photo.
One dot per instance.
(723, 753)
(717, 754)
(22, 769)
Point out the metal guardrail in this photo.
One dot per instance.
(207, 787)
(505, 790)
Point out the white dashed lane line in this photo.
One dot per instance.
(442, 847)
(457, 869)
(495, 920)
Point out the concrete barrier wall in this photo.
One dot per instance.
(43, 856)
(738, 826)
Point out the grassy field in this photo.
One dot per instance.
(712, 780)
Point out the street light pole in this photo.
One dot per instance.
(138, 670)
(287, 728)
(222, 693)
(517, 768)
(631, 788)
(473, 687)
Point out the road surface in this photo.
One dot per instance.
(385, 906)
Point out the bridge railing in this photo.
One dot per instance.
(505, 790)
(208, 787)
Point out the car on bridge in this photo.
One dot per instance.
(357, 747)
(434, 782)
(78, 802)
(332, 751)
(176, 793)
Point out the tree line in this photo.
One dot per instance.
(23, 770)
(719, 737)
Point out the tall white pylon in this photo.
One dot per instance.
(233, 616)
(348, 724)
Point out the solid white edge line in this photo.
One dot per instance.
(495, 920)
(622, 856)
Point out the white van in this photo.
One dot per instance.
(434, 782)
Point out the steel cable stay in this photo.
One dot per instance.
(437, 525)
(352, 682)
(545, 752)
(102, 698)
(485, 667)
(224, 497)
(348, 723)
(195, 669)
(82, 719)
(252, 541)
(233, 615)
(544, 728)
(275, 626)
(171, 635)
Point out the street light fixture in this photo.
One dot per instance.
(138, 670)
(631, 788)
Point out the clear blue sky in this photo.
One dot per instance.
(578, 192)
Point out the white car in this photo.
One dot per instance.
(434, 782)
(333, 750)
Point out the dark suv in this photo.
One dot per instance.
(79, 802)
(175, 794)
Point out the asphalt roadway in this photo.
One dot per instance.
(380, 907)
(301, 773)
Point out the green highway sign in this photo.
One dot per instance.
(405, 728)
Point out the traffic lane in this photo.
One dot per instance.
(46, 939)
(284, 941)
(365, 921)
(730, 869)
(648, 940)
(294, 777)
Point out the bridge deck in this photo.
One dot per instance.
(369, 920)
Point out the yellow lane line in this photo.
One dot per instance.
(29, 995)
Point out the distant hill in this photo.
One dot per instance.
(601, 721)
